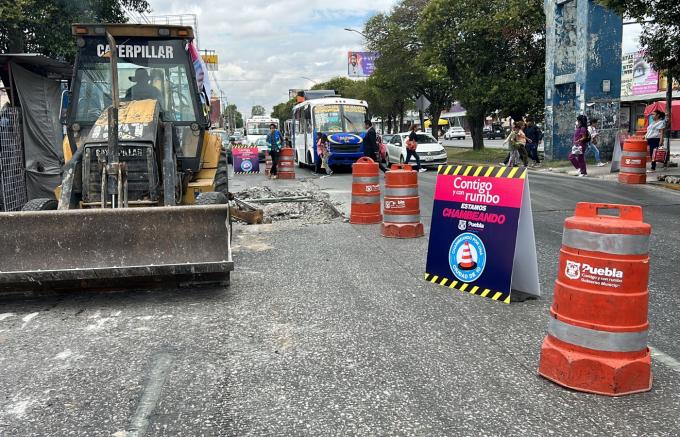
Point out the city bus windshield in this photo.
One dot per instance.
(339, 118)
(259, 128)
(147, 69)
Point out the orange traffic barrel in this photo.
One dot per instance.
(641, 132)
(597, 334)
(267, 164)
(634, 161)
(365, 193)
(285, 168)
(401, 204)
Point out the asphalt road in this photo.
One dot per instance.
(330, 330)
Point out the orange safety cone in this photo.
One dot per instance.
(466, 262)
(634, 161)
(285, 168)
(365, 193)
(597, 335)
(402, 204)
(267, 164)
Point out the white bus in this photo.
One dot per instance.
(258, 127)
(342, 120)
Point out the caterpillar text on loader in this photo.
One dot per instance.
(144, 186)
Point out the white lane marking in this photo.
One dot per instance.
(27, 318)
(667, 360)
(63, 355)
(152, 392)
(4, 316)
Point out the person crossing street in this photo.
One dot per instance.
(371, 145)
(411, 146)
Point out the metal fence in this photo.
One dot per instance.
(12, 174)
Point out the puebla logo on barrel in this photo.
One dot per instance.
(467, 257)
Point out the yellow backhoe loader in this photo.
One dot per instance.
(143, 193)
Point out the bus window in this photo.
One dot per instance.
(327, 118)
(354, 117)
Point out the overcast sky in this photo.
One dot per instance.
(265, 47)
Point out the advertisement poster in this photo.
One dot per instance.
(245, 159)
(361, 64)
(481, 220)
(627, 64)
(645, 78)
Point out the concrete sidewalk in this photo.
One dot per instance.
(606, 173)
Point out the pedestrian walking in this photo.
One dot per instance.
(516, 142)
(534, 136)
(655, 133)
(323, 149)
(411, 149)
(371, 144)
(592, 144)
(580, 144)
(275, 144)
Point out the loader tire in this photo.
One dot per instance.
(211, 198)
(222, 174)
(41, 205)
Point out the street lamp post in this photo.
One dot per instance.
(356, 31)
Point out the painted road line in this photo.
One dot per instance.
(152, 392)
(666, 360)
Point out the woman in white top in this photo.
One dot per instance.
(655, 134)
(592, 144)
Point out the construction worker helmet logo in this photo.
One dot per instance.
(467, 257)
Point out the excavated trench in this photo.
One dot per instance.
(279, 205)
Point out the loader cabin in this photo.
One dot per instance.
(153, 63)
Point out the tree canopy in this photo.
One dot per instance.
(44, 26)
(257, 110)
(494, 54)
(233, 116)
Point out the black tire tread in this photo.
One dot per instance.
(43, 204)
(211, 198)
(222, 175)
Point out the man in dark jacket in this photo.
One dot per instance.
(533, 133)
(371, 145)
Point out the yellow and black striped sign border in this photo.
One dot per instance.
(246, 172)
(483, 171)
(243, 146)
(468, 288)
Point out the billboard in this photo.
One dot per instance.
(645, 78)
(361, 64)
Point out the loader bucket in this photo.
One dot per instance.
(114, 248)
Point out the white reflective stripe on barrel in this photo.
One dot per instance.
(365, 199)
(635, 154)
(626, 169)
(598, 340)
(398, 192)
(365, 179)
(285, 158)
(617, 244)
(393, 218)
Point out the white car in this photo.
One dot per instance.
(455, 133)
(430, 151)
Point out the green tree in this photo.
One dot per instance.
(233, 117)
(257, 110)
(404, 69)
(351, 89)
(283, 111)
(44, 26)
(494, 53)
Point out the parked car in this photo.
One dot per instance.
(455, 133)
(262, 147)
(430, 151)
(494, 131)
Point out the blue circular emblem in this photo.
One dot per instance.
(246, 165)
(467, 257)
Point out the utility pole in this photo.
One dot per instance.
(669, 113)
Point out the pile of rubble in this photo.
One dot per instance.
(669, 179)
(297, 204)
